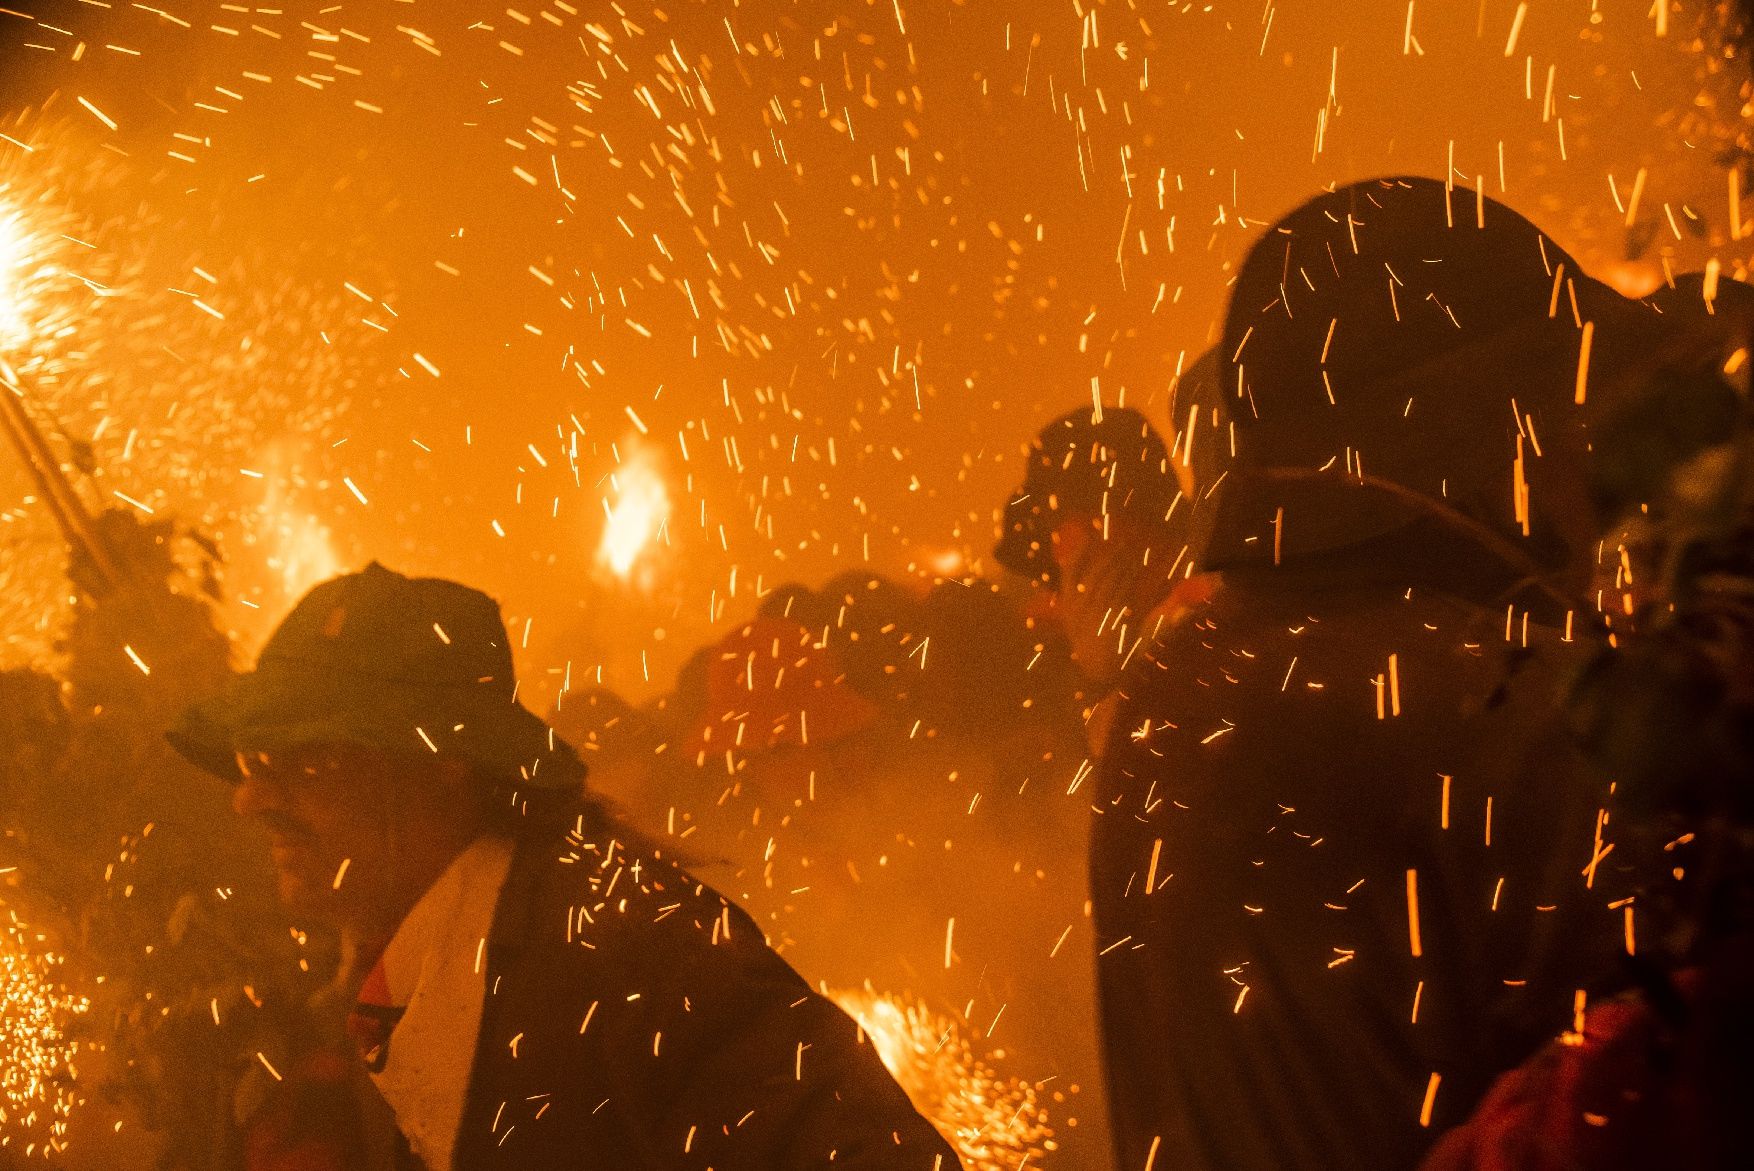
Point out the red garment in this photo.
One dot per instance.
(373, 1018)
(1634, 1091)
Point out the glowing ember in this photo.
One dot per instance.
(993, 1121)
(36, 1057)
(641, 508)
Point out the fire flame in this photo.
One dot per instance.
(300, 551)
(638, 515)
(996, 1123)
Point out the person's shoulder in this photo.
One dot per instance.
(606, 888)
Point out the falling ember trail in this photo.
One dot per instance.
(1430, 1100)
(1413, 913)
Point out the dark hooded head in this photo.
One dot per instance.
(1405, 358)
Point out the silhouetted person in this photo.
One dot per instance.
(538, 987)
(1103, 523)
(1344, 867)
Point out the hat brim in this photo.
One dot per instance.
(281, 707)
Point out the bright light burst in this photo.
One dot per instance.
(304, 554)
(37, 1073)
(14, 256)
(296, 547)
(638, 515)
(995, 1122)
(37, 293)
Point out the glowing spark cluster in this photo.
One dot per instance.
(34, 313)
(37, 1073)
(996, 1123)
(298, 549)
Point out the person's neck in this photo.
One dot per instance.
(365, 935)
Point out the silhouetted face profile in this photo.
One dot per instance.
(350, 829)
(1100, 521)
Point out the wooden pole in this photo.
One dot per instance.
(51, 479)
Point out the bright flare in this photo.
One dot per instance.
(299, 550)
(14, 256)
(302, 553)
(640, 508)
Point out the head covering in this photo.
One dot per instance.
(1398, 351)
(1106, 461)
(409, 666)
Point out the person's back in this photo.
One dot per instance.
(1301, 898)
(1660, 1074)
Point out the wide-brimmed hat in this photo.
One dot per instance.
(408, 666)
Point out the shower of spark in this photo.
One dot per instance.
(996, 1123)
(133, 331)
(50, 280)
(638, 515)
(304, 553)
(37, 1073)
(39, 294)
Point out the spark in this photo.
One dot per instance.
(1430, 1099)
(97, 340)
(995, 1122)
(1413, 914)
(99, 114)
(1516, 26)
(38, 1082)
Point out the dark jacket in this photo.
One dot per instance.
(1262, 1004)
(1320, 751)
(636, 1019)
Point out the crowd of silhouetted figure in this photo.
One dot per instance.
(1379, 712)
